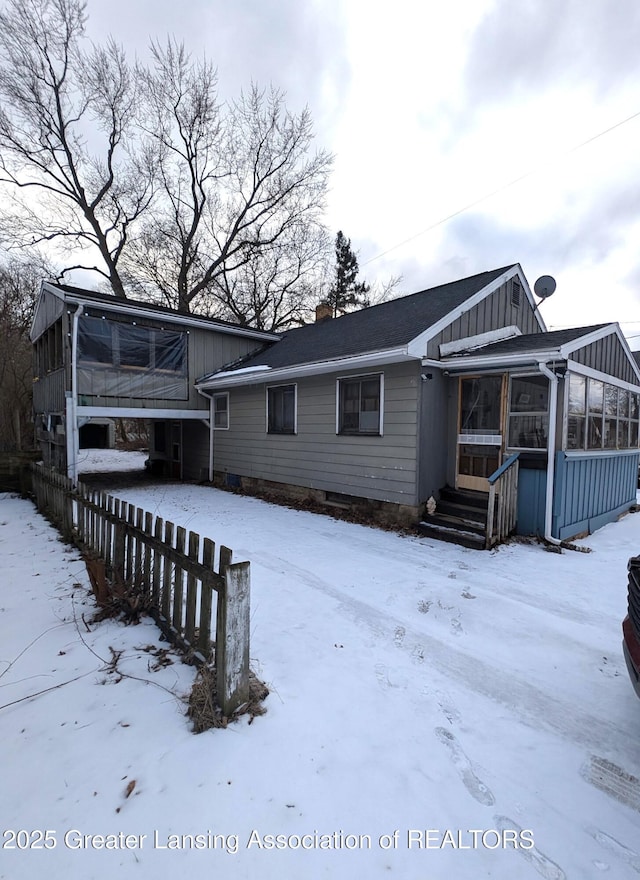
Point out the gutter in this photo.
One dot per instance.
(73, 438)
(551, 451)
(210, 399)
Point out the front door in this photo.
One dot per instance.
(480, 430)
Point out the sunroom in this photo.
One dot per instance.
(564, 409)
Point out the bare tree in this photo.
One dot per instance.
(66, 122)
(239, 187)
(19, 286)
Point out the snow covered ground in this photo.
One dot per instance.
(435, 712)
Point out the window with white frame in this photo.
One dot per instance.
(221, 411)
(360, 405)
(281, 409)
(601, 415)
(528, 412)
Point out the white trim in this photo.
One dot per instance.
(134, 412)
(295, 409)
(279, 375)
(599, 453)
(380, 433)
(418, 346)
(524, 359)
(215, 427)
(575, 367)
(480, 339)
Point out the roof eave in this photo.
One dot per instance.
(299, 371)
(127, 307)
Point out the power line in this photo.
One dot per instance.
(504, 186)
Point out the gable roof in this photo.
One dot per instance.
(527, 349)
(67, 294)
(388, 326)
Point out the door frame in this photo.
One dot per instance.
(467, 481)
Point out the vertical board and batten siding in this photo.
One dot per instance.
(49, 392)
(493, 312)
(379, 468)
(48, 310)
(608, 356)
(592, 490)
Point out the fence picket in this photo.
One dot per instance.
(138, 549)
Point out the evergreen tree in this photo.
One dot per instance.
(346, 292)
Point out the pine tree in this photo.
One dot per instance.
(346, 292)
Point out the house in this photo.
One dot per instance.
(431, 408)
(98, 358)
(428, 398)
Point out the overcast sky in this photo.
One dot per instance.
(432, 107)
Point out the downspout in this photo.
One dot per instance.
(551, 451)
(73, 439)
(210, 399)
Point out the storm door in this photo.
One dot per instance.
(480, 430)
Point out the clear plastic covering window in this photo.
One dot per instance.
(118, 359)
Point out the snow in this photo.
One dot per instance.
(108, 460)
(416, 687)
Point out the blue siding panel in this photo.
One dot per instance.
(531, 501)
(592, 490)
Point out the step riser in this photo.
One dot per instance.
(452, 537)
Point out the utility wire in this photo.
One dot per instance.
(503, 187)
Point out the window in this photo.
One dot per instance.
(577, 412)
(601, 415)
(95, 341)
(359, 405)
(281, 409)
(221, 411)
(529, 412)
(115, 344)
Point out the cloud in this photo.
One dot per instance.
(535, 44)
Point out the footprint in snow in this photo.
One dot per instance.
(476, 788)
(543, 864)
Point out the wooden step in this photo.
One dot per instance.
(453, 535)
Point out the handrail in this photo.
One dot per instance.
(503, 467)
(500, 524)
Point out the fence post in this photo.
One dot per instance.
(232, 638)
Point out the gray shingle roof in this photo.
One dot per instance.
(532, 342)
(385, 326)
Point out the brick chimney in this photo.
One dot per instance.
(323, 311)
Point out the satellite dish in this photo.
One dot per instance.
(544, 286)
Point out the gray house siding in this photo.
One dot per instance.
(380, 468)
(608, 356)
(493, 312)
(434, 439)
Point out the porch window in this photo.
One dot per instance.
(577, 412)
(359, 405)
(221, 411)
(95, 341)
(281, 409)
(529, 412)
(601, 415)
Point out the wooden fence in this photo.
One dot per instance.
(171, 569)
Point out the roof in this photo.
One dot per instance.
(377, 328)
(150, 310)
(531, 342)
